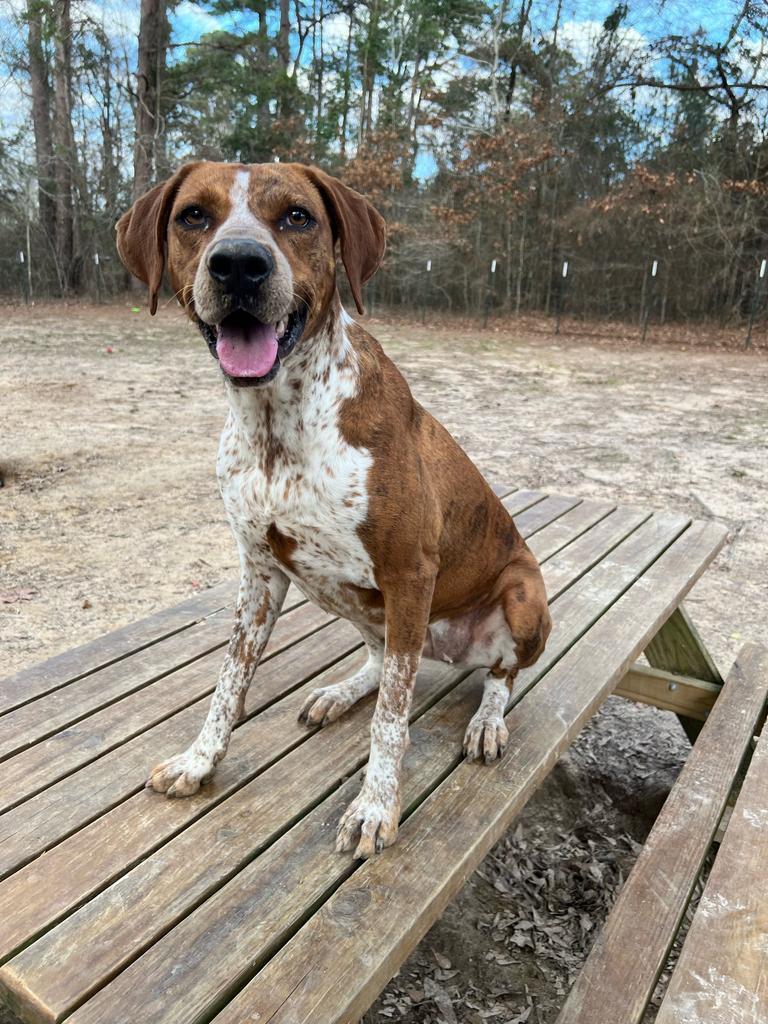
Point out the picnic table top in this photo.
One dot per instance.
(117, 904)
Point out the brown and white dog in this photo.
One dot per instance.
(332, 475)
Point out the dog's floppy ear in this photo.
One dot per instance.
(360, 229)
(141, 233)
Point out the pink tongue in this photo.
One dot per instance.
(247, 351)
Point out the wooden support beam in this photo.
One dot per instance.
(678, 648)
(691, 698)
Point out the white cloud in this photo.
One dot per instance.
(581, 38)
(119, 20)
(191, 22)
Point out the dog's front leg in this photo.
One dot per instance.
(374, 814)
(262, 591)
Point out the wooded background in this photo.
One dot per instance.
(528, 133)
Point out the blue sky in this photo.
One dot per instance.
(580, 21)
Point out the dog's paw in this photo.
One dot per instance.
(181, 775)
(326, 704)
(369, 821)
(486, 737)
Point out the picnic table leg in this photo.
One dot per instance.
(678, 648)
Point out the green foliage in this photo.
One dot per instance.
(482, 130)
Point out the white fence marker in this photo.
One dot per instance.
(493, 266)
(429, 265)
(762, 268)
(565, 268)
(654, 268)
(21, 255)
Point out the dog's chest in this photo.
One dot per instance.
(295, 491)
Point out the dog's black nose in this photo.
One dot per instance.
(240, 265)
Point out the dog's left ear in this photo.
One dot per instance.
(142, 230)
(360, 229)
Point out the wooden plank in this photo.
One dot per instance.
(58, 881)
(83, 741)
(589, 548)
(38, 719)
(516, 501)
(104, 940)
(108, 931)
(76, 800)
(59, 810)
(620, 975)
(71, 665)
(721, 975)
(374, 919)
(544, 512)
(567, 527)
(500, 490)
(263, 906)
(689, 697)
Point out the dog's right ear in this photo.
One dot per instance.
(142, 230)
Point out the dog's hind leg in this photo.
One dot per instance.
(486, 736)
(327, 703)
(527, 624)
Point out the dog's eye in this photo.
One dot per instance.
(193, 217)
(296, 218)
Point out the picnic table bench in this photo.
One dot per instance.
(118, 905)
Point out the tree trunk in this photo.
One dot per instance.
(67, 257)
(284, 35)
(153, 40)
(347, 85)
(41, 118)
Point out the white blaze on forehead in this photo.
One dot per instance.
(241, 217)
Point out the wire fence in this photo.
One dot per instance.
(636, 293)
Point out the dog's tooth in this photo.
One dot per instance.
(280, 328)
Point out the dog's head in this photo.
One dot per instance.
(250, 252)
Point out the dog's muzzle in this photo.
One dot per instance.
(247, 344)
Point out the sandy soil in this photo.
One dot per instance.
(110, 510)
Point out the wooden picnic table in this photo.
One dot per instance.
(118, 905)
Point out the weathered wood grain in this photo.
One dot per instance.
(53, 813)
(116, 924)
(45, 762)
(620, 975)
(722, 976)
(537, 516)
(58, 881)
(677, 647)
(681, 694)
(373, 920)
(32, 722)
(568, 527)
(85, 932)
(69, 666)
(76, 800)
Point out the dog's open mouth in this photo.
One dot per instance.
(250, 351)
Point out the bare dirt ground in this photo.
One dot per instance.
(110, 511)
